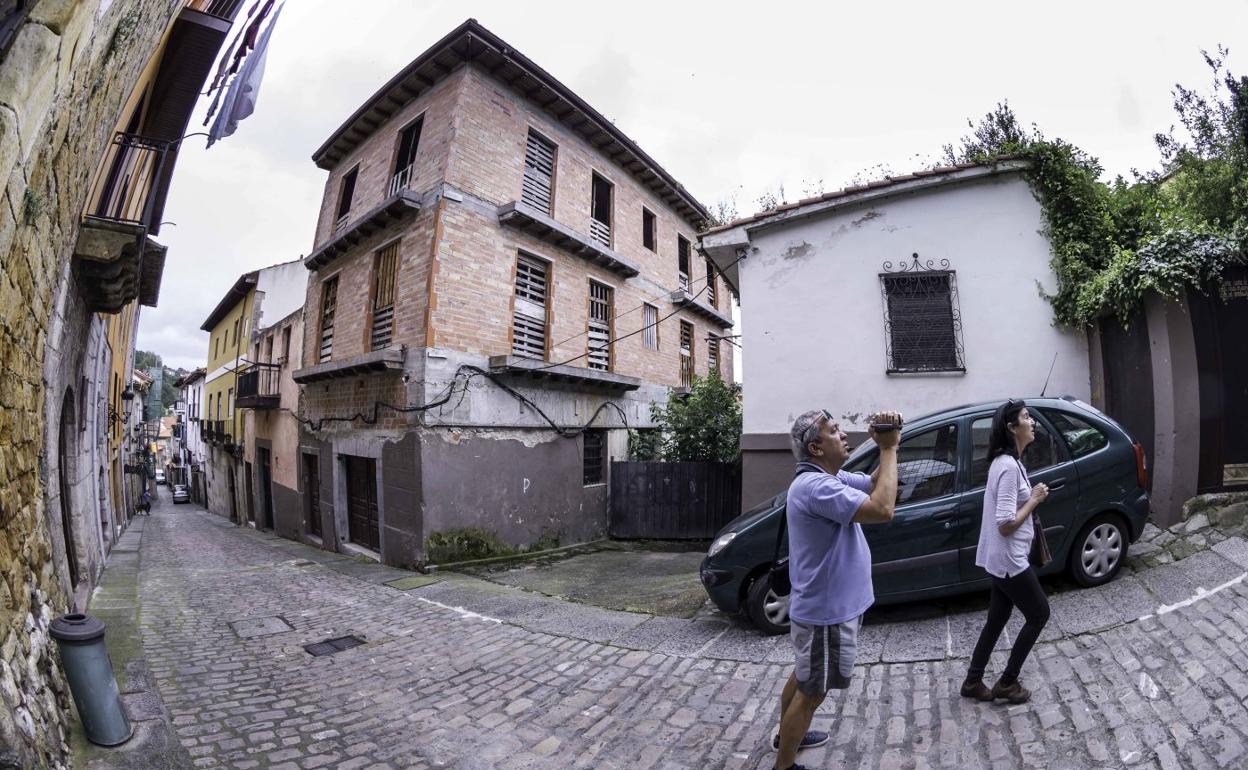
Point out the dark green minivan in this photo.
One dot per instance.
(1097, 506)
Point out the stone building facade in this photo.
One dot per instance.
(482, 224)
(74, 250)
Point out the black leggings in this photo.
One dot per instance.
(1022, 591)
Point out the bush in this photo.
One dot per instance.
(703, 424)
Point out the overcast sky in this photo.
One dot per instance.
(733, 102)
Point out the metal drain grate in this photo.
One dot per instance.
(330, 646)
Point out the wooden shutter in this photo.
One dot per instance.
(650, 320)
(384, 278)
(599, 326)
(686, 354)
(329, 301)
(712, 295)
(529, 319)
(539, 173)
(712, 354)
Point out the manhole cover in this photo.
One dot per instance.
(252, 627)
(330, 646)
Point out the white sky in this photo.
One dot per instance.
(730, 100)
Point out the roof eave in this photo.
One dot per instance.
(236, 294)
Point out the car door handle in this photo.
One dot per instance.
(945, 515)
(1056, 483)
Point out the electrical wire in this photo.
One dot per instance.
(370, 418)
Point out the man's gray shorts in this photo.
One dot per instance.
(825, 655)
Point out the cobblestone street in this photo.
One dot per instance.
(438, 685)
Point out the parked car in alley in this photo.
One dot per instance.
(160, 477)
(1098, 503)
(181, 494)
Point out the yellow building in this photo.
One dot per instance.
(257, 300)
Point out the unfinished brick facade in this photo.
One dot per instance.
(454, 304)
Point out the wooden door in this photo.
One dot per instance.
(312, 493)
(362, 526)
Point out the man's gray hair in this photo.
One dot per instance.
(803, 432)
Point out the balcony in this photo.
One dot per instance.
(259, 387)
(682, 298)
(114, 259)
(541, 225)
(221, 9)
(401, 180)
(393, 209)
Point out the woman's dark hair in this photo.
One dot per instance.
(1000, 440)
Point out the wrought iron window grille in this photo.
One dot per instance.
(922, 318)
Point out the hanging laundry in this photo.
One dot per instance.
(240, 95)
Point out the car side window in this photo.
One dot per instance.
(927, 465)
(1082, 438)
(1039, 454)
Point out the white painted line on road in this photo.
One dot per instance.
(1201, 593)
(466, 614)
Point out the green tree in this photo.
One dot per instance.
(702, 424)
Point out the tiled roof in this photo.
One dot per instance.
(887, 181)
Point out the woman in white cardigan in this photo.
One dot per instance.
(1006, 537)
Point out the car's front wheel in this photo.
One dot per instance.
(767, 610)
(1099, 550)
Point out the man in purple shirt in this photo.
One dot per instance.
(829, 565)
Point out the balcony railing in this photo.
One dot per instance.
(259, 387)
(401, 179)
(222, 9)
(125, 191)
(600, 231)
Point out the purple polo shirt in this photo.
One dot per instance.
(829, 560)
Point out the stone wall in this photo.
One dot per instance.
(63, 80)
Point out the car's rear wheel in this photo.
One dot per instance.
(767, 610)
(1098, 551)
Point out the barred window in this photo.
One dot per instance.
(539, 172)
(529, 318)
(599, 326)
(385, 273)
(686, 354)
(594, 455)
(922, 322)
(650, 322)
(329, 302)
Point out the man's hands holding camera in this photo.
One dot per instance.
(884, 428)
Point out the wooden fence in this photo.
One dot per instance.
(673, 501)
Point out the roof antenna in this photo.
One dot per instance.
(1046, 379)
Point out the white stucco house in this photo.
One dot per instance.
(914, 293)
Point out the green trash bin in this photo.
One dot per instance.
(91, 681)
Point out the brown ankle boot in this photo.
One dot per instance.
(1013, 692)
(975, 688)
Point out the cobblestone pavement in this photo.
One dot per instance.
(225, 614)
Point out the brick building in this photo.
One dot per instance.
(491, 245)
